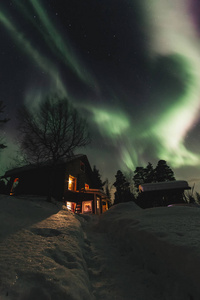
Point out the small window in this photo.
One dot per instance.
(14, 186)
(71, 206)
(104, 206)
(87, 186)
(82, 166)
(87, 207)
(72, 183)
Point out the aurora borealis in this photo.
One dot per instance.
(132, 69)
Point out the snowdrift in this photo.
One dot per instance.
(163, 244)
(48, 253)
(41, 252)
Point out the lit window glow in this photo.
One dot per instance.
(14, 186)
(72, 183)
(71, 206)
(87, 186)
(87, 207)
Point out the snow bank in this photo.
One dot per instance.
(163, 246)
(46, 252)
(40, 252)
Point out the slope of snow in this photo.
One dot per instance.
(162, 245)
(48, 253)
(40, 252)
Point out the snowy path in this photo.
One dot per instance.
(146, 254)
(111, 274)
(49, 253)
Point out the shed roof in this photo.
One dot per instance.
(166, 185)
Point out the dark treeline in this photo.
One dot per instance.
(55, 130)
(161, 173)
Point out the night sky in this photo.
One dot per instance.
(131, 67)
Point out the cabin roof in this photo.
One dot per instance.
(25, 168)
(166, 185)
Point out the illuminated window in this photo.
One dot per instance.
(98, 203)
(71, 206)
(87, 186)
(98, 206)
(87, 207)
(14, 186)
(104, 206)
(72, 183)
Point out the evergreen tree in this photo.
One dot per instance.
(143, 175)
(149, 173)
(139, 177)
(97, 179)
(163, 172)
(107, 188)
(122, 186)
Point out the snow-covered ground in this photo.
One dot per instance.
(162, 246)
(41, 252)
(47, 252)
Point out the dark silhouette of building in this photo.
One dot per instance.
(162, 193)
(70, 181)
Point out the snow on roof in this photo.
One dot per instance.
(166, 185)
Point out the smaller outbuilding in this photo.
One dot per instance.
(162, 193)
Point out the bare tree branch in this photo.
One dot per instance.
(53, 131)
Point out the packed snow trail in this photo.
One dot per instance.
(49, 253)
(111, 274)
(105, 265)
(41, 252)
(135, 254)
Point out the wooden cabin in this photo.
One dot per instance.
(70, 181)
(162, 193)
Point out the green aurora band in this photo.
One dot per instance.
(42, 62)
(54, 39)
(170, 34)
(173, 33)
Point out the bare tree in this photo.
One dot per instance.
(51, 132)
